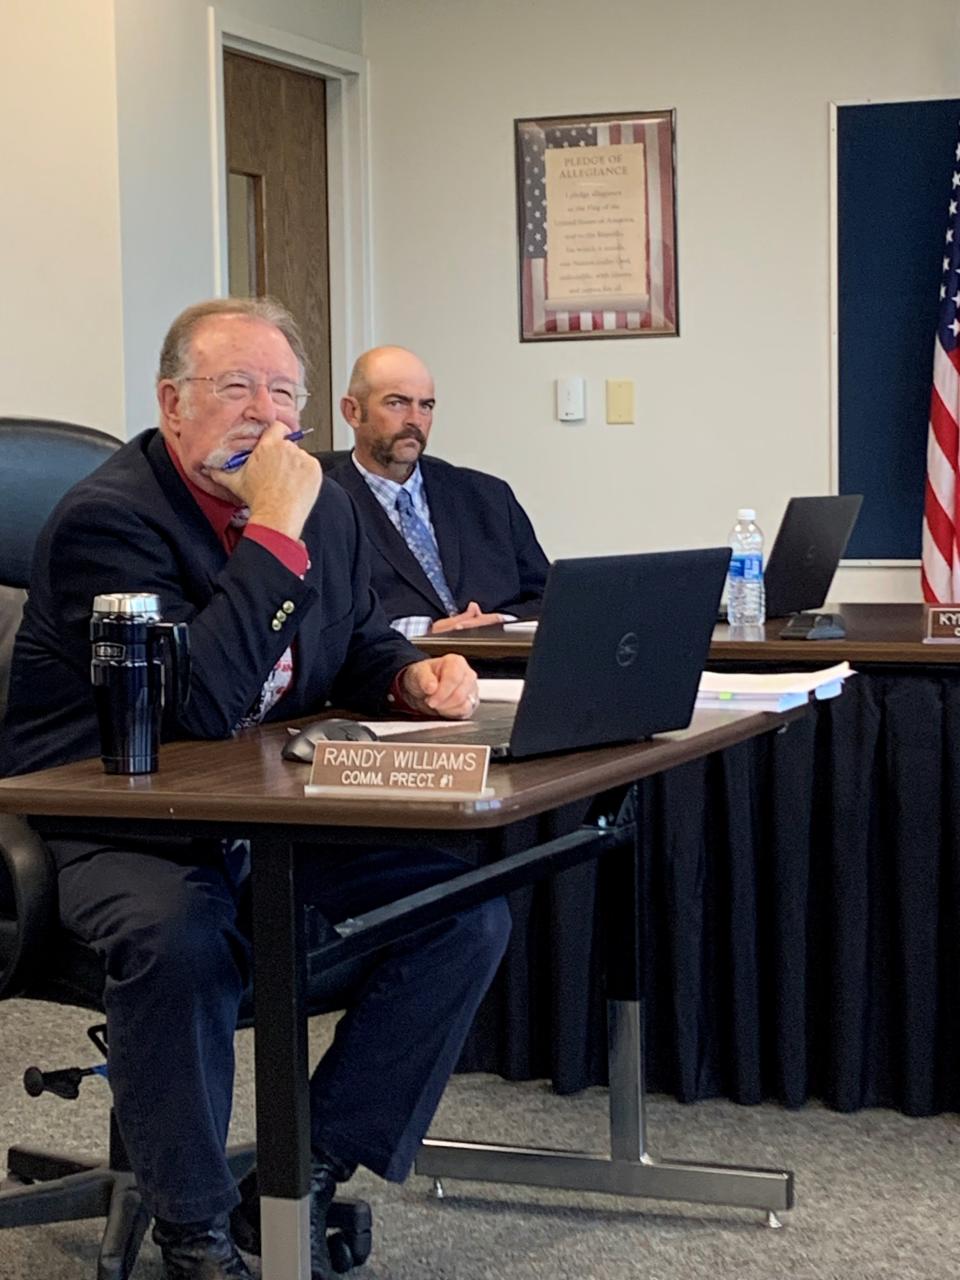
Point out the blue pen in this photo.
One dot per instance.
(238, 459)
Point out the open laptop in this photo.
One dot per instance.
(617, 656)
(812, 537)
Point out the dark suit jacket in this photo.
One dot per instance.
(132, 525)
(487, 545)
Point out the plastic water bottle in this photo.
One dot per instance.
(745, 602)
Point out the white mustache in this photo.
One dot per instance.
(217, 457)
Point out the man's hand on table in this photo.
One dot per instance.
(471, 617)
(444, 687)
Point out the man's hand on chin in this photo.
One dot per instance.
(441, 687)
(278, 482)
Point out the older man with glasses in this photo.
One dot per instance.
(229, 522)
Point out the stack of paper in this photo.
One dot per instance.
(492, 690)
(746, 690)
(762, 692)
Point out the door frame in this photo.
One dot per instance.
(348, 179)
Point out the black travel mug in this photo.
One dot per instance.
(128, 673)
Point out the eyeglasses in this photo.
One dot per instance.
(237, 387)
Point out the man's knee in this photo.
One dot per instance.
(183, 934)
(485, 929)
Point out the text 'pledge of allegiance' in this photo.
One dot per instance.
(436, 769)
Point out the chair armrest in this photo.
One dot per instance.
(28, 904)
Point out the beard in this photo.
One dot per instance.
(382, 449)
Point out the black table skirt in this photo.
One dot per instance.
(802, 919)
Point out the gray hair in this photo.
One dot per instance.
(175, 352)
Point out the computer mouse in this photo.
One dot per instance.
(301, 746)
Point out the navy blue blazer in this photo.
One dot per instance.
(132, 525)
(487, 545)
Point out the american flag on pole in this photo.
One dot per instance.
(941, 517)
(659, 311)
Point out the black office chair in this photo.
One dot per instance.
(39, 461)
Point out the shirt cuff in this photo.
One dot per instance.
(415, 625)
(291, 553)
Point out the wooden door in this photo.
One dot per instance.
(277, 207)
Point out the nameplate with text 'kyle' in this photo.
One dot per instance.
(941, 624)
(428, 771)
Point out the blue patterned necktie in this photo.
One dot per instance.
(421, 542)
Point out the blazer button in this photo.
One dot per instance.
(276, 625)
(288, 606)
(280, 616)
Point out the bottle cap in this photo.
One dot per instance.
(143, 606)
(746, 513)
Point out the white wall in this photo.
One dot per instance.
(106, 220)
(60, 316)
(166, 176)
(735, 410)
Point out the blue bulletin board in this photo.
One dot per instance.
(895, 163)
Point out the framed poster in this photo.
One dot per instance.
(597, 227)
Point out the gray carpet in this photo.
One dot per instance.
(877, 1193)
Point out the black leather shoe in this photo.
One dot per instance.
(324, 1176)
(199, 1250)
(323, 1187)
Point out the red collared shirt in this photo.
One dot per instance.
(291, 552)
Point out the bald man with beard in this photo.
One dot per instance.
(452, 547)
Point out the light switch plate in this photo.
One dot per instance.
(571, 399)
(620, 400)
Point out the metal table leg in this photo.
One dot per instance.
(629, 1170)
(282, 1095)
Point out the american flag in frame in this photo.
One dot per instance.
(547, 311)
